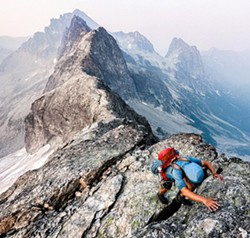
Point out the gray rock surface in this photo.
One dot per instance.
(100, 185)
(81, 101)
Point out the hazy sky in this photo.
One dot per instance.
(224, 24)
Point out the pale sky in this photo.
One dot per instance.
(224, 24)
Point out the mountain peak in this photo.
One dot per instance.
(90, 22)
(77, 26)
(77, 29)
(177, 44)
(133, 41)
(186, 59)
(98, 55)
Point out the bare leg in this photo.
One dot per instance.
(181, 198)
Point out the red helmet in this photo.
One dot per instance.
(168, 155)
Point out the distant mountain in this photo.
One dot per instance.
(139, 47)
(9, 44)
(134, 41)
(230, 72)
(229, 68)
(4, 53)
(12, 43)
(192, 100)
(185, 59)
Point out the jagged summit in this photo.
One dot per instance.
(77, 27)
(185, 58)
(95, 53)
(179, 47)
(90, 22)
(49, 40)
(177, 44)
(133, 41)
(73, 34)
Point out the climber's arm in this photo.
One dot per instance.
(212, 170)
(211, 204)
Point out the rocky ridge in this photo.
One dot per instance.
(95, 53)
(100, 185)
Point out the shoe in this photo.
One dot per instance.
(183, 200)
(162, 198)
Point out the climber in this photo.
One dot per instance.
(187, 172)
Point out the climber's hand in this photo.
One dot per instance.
(211, 204)
(218, 176)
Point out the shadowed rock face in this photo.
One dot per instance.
(95, 53)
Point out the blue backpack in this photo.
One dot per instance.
(192, 171)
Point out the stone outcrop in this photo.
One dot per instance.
(59, 114)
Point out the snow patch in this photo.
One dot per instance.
(14, 165)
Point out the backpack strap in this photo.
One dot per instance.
(176, 166)
(184, 159)
(163, 175)
(165, 166)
